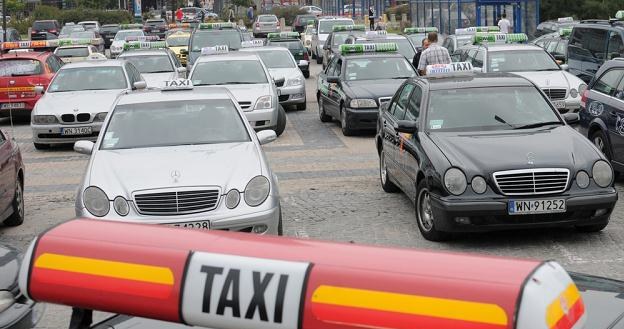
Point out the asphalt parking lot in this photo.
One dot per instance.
(330, 190)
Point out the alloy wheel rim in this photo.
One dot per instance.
(599, 143)
(425, 215)
(382, 168)
(20, 200)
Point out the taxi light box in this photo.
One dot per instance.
(216, 26)
(477, 29)
(499, 37)
(457, 68)
(144, 45)
(369, 48)
(414, 30)
(221, 49)
(355, 27)
(283, 35)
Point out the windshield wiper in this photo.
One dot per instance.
(540, 70)
(501, 120)
(538, 124)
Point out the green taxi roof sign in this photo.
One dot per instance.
(480, 38)
(477, 29)
(217, 26)
(565, 32)
(369, 48)
(452, 69)
(352, 27)
(414, 30)
(78, 42)
(282, 36)
(144, 45)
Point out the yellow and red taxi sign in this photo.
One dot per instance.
(29, 44)
(231, 280)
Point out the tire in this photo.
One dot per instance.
(39, 146)
(346, 130)
(423, 210)
(306, 74)
(322, 115)
(301, 107)
(592, 228)
(312, 54)
(17, 218)
(602, 143)
(280, 226)
(384, 176)
(281, 121)
(319, 59)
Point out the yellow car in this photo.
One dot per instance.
(178, 41)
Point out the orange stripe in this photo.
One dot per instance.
(561, 305)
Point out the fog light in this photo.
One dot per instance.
(601, 212)
(462, 220)
(232, 198)
(259, 229)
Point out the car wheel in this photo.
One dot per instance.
(322, 115)
(281, 121)
(39, 146)
(319, 59)
(301, 107)
(425, 217)
(384, 176)
(17, 218)
(592, 228)
(346, 130)
(306, 74)
(600, 140)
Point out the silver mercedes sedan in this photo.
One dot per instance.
(181, 157)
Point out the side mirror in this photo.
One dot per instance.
(565, 67)
(333, 79)
(181, 69)
(139, 85)
(39, 90)
(266, 136)
(303, 63)
(571, 118)
(279, 81)
(407, 126)
(183, 52)
(84, 147)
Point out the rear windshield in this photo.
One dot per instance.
(231, 38)
(178, 41)
(44, 25)
(267, 19)
(151, 63)
(326, 27)
(303, 20)
(82, 35)
(20, 67)
(109, 28)
(291, 45)
(72, 52)
(277, 59)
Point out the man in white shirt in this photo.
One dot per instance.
(504, 24)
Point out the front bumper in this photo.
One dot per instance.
(262, 119)
(21, 315)
(292, 95)
(51, 134)
(572, 105)
(362, 119)
(491, 214)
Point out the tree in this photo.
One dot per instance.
(15, 7)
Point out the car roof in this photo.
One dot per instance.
(91, 63)
(73, 46)
(513, 46)
(26, 55)
(372, 55)
(157, 95)
(232, 56)
(478, 80)
(110, 25)
(265, 48)
(599, 23)
(144, 52)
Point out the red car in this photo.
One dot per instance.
(11, 182)
(20, 73)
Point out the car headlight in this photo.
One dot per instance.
(96, 201)
(602, 173)
(232, 198)
(44, 119)
(264, 103)
(121, 206)
(295, 82)
(357, 103)
(582, 179)
(100, 116)
(478, 184)
(582, 87)
(256, 191)
(573, 93)
(455, 181)
(6, 300)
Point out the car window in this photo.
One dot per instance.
(224, 72)
(375, 68)
(541, 43)
(413, 106)
(478, 59)
(589, 42)
(338, 69)
(401, 103)
(608, 81)
(615, 47)
(551, 47)
(331, 68)
(20, 67)
(619, 92)
(89, 78)
(151, 63)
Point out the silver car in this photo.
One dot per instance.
(282, 64)
(78, 98)
(156, 65)
(184, 158)
(266, 24)
(322, 28)
(248, 79)
(117, 46)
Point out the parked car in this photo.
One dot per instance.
(16, 312)
(12, 35)
(301, 21)
(42, 29)
(67, 30)
(157, 27)
(108, 32)
(553, 26)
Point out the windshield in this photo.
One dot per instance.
(378, 68)
(340, 38)
(20, 67)
(228, 72)
(151, 63)
(121, 35)
(82, 35)
(177, 41)
(519, 61)
(88, 78)
(70, 29)
(405, 47)
(174, 123)
(231, 38)
(72, 52)
(491, 108)
(291, 45)
(108, 29)
(277, 59)
(89, 26)
(325, 27)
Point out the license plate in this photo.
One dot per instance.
(76, 131)
(201, 225)
(7, 106)
(559, 104)
(524, 207)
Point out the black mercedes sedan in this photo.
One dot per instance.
(489, 152)
(16, 311)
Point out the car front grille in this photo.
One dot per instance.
(80, 117)
(244, 105)
(532, 181)
(177, 202)
(555, 93)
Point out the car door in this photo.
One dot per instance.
(335, 90)
(604, 102)
(409, 147)
(7, 173)
(390, 136)
(398, 107)
(616, 105)
(323, 85)
(615, 46)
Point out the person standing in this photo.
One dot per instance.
(230, 14)
(202, 15)
(250, 13)
(504, 24)
(371, 18)
(163, 14)
(179, 15)
(425, 45)
(434, 54)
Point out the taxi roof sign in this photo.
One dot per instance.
(481, 38)
(414, 30)
(177, 84)
(96, 57)
(283, 36)
(216, 50)
(565, 32)
(144, 45)
(217, 26)
(565, 19)
(376, 34)
(369, 48)
(180, 25)
(477, 29)
(453, 69)
(29, 44)
(350, 27)
(79, 42)
(252, 43)
(141, 38)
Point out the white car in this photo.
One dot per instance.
(74, 54)
(184, 158)
(314, 10)
(90, 25)
(78, 98)
(322, 28)
(155, 64)
(117, 46)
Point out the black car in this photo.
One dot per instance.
(549, 27)
(108, 32)
(156, 26)
(357, 81)
(16, 311)
(41, 30)
(301, 21)
(555, 44)
(489, 152)
(337, 37)
(210, 35)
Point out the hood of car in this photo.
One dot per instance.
(288, 74)
(9, 267)
(88, 101)
(121, 172)
(547, 79)
(373, 88)
(246, 93)
(548, 147)
(156, 79)
(68, 60)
